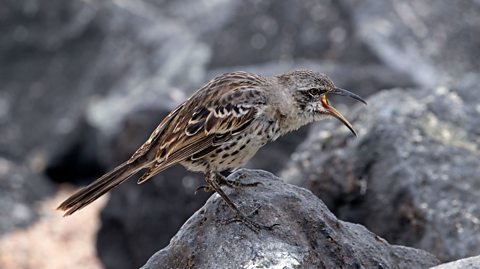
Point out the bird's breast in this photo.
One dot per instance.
(236, 151)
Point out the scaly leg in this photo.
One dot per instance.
(212, 180)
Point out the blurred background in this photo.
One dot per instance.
(84, 82)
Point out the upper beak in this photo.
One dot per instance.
(340, 91)
(335, 112)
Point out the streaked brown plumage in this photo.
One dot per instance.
(220, 127)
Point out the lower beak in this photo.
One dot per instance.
(332, 111)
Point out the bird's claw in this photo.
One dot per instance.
(204, 188)
(252, 225)
(223, 181)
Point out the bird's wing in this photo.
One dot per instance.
(155, 135)
(222, 108)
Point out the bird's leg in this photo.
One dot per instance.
(211, 178)
(224, 181)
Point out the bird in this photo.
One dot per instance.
(220, 127)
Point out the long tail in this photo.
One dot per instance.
(99, 187)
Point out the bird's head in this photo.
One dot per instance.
(310, 91)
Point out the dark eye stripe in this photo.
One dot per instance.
(315, 92)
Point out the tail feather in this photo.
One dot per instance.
(99, 187)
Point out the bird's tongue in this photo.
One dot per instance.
(332, 111)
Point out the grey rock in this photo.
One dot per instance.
(20, 191)
(470, 263)
(308, 235)
(433, 41)
(46, 53)
(412, 174)
(60, 59)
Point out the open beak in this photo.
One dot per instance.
(332, 111)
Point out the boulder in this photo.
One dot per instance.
(472, 262)
(47, 51)
(433, 41)
(60, 59)
(306, 235)
(20, 191)
(412, 174)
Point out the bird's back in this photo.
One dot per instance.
(221, 110)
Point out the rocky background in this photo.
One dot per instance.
(82, 84)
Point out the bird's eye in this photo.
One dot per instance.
(315, 92)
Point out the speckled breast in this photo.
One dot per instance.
(236, 151)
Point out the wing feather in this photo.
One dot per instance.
(156, 134)
(221, 109)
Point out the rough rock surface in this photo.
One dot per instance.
(434, 41)
(20, 192)
(470, 263)
(308, 235)
(412, 174)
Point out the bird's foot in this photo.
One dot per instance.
(252, 225)
(223, 181)
(204, 188)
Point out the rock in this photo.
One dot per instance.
(20, 191)
(47, 53)
(412, 174)
(61, 58)
(308, 235)
(433, 41)
(472, 262)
